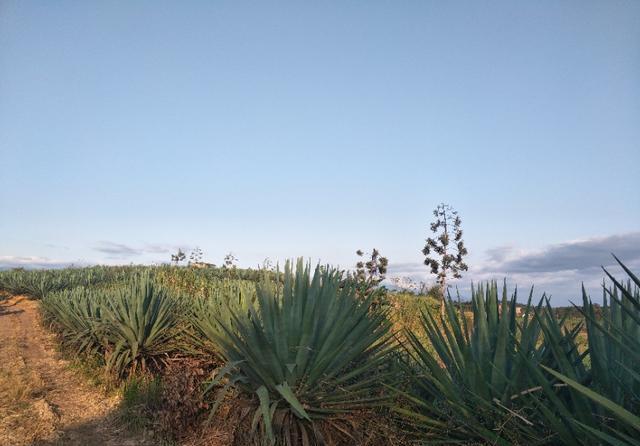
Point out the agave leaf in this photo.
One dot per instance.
(263, 396)
(288, 395)
(608, 438)
(619, 411)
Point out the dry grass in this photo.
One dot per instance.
(406, 310)
(25, 416)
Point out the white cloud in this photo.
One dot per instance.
(122, 251)
(558, 269)
(577, 255)
(32, 262)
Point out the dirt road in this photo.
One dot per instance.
(42, 401)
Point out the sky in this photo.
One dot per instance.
(285, 129)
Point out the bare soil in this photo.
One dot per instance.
(42, 401)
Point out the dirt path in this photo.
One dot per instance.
(43, 402)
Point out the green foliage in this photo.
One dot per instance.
(600, 404)
(77, 316)
(307, 348)
(141, 319)
(614, 341)
(470, 375)
(131, 325)
(39, 283)
(202, 282)
(216, 309)
(141, 397)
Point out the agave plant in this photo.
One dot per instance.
(220, 301)
(141, 319)
(77, 316)
(601, 404)
(471, 376)
(308, 348)
(614, 341)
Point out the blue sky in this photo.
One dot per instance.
(313, 129)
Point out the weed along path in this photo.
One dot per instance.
(42, 401)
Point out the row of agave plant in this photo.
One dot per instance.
(132, 325)
(39, 283)
(514, 380)
(310, 350)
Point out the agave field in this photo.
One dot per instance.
(302, 357)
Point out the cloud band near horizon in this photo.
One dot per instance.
(558, 269)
